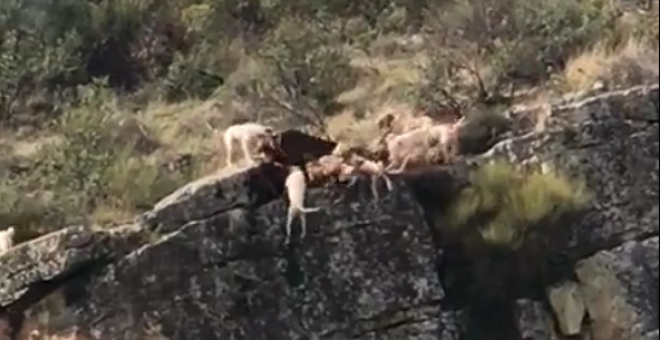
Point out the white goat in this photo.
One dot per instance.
(7, 239)
(248, 135)
(296, 186)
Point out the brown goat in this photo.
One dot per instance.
(424, 146)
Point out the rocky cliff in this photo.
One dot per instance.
(208, 261)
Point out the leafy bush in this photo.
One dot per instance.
(34, 212)
(197, 75)
(480, 46)
(648, 28)
(89, 169)
(77, 163)
(544, 34)
(34, 49)
(507, 206)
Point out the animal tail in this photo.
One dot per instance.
(309, 210)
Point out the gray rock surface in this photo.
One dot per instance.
(365, 267)
(56, 255)
(620, 289)
(611, 141)
(616, 152)
(534, 321)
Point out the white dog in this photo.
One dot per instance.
(296, 186)
(248, 135)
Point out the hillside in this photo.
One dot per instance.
(104, 103)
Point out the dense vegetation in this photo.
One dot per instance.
(511, 224)
(102, 102)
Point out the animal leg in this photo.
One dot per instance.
(453, 151)
(374, 187)
(388, 182)
(400, 169)
(303, 226)
(246, 151)
(352, 181)
(289, 221)
(229, 148)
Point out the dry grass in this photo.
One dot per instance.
(632, 63)
(180, 125)
(383, 78)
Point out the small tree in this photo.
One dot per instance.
(76, 165)
(306, 70)
(482, 46)
(34, 50)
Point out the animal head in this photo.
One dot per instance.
(35, 335)
(270, 131)
(270, 148)
(10, 231)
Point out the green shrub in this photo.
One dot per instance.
(480, 46)
(547, 33)
(89, 169)
(648, 27)
(195, 75)
(136, 183)
(505, 206)
(34, 48)
(33, 212)
(77, 163)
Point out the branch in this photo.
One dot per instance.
(304, 113)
